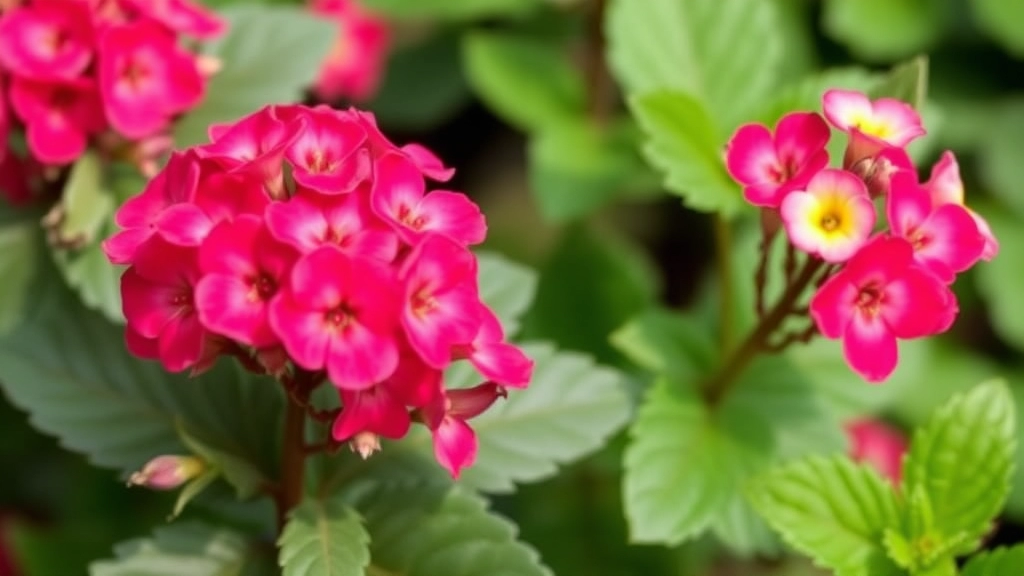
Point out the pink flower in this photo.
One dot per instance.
(832, 218)
(398, 197)
(219, 196)
(945, 238)
(455, 443)
(340, 312)
(309, 221)
(376, 409)
(872, 126)
(159, 304)
(880, 295)
(242, 267)
(145, 78)
(50, 40)
(878, 444)
(494, 358)
(328, 156)
(427, 162)
(441, 299)
(355, 64)
(946, 187)
(768, 166)
(181, 16)
(59, 116)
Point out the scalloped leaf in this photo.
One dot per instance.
(832, 510)
(20, 246)
(999, 562)
(324, 538)
(186, 548)
(507, 287)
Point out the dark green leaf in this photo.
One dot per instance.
(999, 164)
(1000, 18)
(244, 477)
(886, 30)
(324, 538)
(19, 251)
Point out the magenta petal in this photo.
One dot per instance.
(750, 157)
(182, 343)
(503, 363)
(453, 215)
(397, 189)
(303, 332)
(953, 239)
(230, 247)
(908, 205)
(918, 304)
(139, 345)
(833, 304)
(455, 445)
(800, 136)
(870, 348)
(372, 410)
(121, 247)
(297, 222)
(148, 307)
(184, 224)
(429, 164)
(226, 306)
(358, 358)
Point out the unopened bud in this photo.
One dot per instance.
(365, 444)
(468, 403)
(167, 472)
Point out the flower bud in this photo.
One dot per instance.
(468, 403)
(879, 445)
(167, 472)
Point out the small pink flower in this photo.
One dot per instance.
(167, 472)
(945, 238)
(340, 312)
(946, 187)
(455, 443)
(398, 197)
(441, 299)
(159, 303)
(768, 166)
(59, 117)
(872, 126)
(219, 196)
(309, 221)
(328, 156)
(494, 358)
(832, 218)
(878, 444)
(145, 77)
(881, 294)
(428, 163)
(242, 267)
(47, 41)
(354, 66)
(181, 16)
(376, 409)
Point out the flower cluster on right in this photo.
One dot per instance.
(894, 244)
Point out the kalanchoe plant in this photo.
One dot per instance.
(354, 67)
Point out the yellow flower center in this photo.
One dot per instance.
(832, 217)
(872, 127)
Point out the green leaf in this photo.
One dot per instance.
(86, 202)
(19, 249)
(246, 479)
(453, 9)
(577, 167)
(684, 145)
(185, 548)
(192, 490)
(270, 55)
(324, 538)
(886, 30)
(1000, 168)
(677, 45)
(90, 273)
(527, 81)
(907, 82)
(832, 510)
(963, 460)
(999, 562)
(423, 85)
(70, 370)
(999, 18)
(506, 287)
(666, 342)
(430, 529)
(806, 94)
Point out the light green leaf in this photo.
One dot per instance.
(907, 82)
(577, 167)
(685, 465)
(999, 19)
(426, 530)
(724, 55)
(999, 562)
(1000, 167)
(185, 548)
(527, 81)
(453, 9)
(86, 202)
(423, 85)
(683, 144)
(19, 249)
(506, 287)
(886, 30)
(88, 271)
(806, 94)
(246, 479)
(270, 55)
(963, 460)
(324, 538)
(666, 342)
(70, 370)
(832, 510)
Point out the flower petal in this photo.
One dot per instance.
(870, 347)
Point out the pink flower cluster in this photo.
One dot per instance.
(356, 62)
(891, 283)
(71, 70)
(305, 237)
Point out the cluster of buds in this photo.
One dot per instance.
(876, 283)
(356, 62)
(102, 71)
(303, 241)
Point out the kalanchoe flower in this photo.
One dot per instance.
(50, 40)
(878, 444)
(455, 443)
(377, 410)
(494, 358)
(872, 125)
(167, 472)
(327, 156)
(59, 116)
(311, 220)
(181, 16)
(946, 187)
(768, 165)
(354, 66)
(832, 218)
(945, 238)
(881, 294)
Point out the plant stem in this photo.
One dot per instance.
(293, 455)
(600, 87)
(723, 257)
(720, 384)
